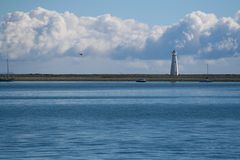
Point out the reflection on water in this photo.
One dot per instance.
(119, 120)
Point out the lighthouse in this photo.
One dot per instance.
(174, 65)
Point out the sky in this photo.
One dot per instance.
(119, 36)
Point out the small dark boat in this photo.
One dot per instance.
(6, 77)
(6, 80)
(206, 80)
(141, 80)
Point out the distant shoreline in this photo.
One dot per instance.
(121, 77)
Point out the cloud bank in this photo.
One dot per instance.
(45, 33)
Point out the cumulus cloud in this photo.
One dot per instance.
(46, 33)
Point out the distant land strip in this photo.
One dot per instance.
(121, 77)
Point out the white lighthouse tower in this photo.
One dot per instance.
(174, 65)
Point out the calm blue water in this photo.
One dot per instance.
(119, 120)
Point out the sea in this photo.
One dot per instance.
(119, 120)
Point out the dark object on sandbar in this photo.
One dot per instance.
(141, 80)
(6, 80)
(7, 77)
(206, 80)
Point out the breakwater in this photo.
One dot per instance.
(122, 77)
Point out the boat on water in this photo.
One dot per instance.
(6, 80)
(141, 80)
(6, 77)
(206, 79)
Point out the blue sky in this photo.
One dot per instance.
(127, 36)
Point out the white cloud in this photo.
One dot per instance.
(228, 44)
(237, 17)
(45, 33)
(199, 21)
(41, 31)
